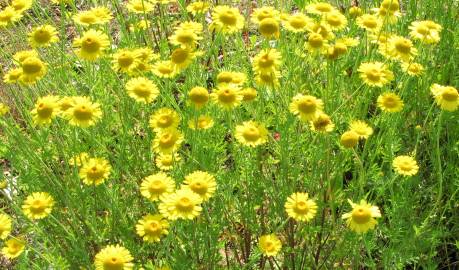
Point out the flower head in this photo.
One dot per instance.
(142, 89)
(446, 97)
(5, 226)
(198, 96)
(405, 165)
(349, 139)
(95, 171)
(306, 107)
(167, 141)
(32, 69)
(198, 7)
(390, 102)
(38, 205)
(13, 248)
(300, 207)
(164, 118)
(113, 257)
(156, 185)
(251, 134)
(202, 122)
(361, 128)
(91, 45)
(362, 217)
(201, 183)
(43, 36)
(183, 203)
(83, 112)
(46, 109)
(375, 74)
(226, 19)
(269, 244)
(152, 227)
(227, 96)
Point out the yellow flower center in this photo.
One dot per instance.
(82, 112)
(90, 45)
(142, 90)
(113, 263)
(373, 74)
(307, 106)
(157, 187)
(449, 94)
(185, 37)
(227, 96)
(164, 69)
(125, 60)
(269, 26)
(361, 215)
(334, 20)
(370, 22)
(263, 15)
(265, 61)
(403, 46)
(199, 97)
(87, 18)
(42, 36)
(31, 66)
(269, 246)
(406, 165)
(179, 56)
(315, 40)
(184, 204)
(251, 134)
(297, 22)
(153, 226)
(301, 207)
(323, 7)
(37, 206)
(390, 102)
(167, 140)
(44, 111)
(95, 173)
(322, 122)
(228, 17)
(165, 121)
(199, 187)
(224, 77)
(423, 30)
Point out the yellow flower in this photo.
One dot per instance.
(321, 29)
(114, 257)
(299, 207)
(140, 6)
(446, 97)
(46, 109)
(103, 14)
(185, 38)
(79, 159)
(13, 75)
(322, 123)
(182, 58)
(5, 226)
(390, 102)
(198, 96)
(267, 61)
(297, 23)
(270, 245)
(349, 139)
(251, 134)
(142, 89)
(320, 8)
(362, 217)
(426, 31)
(33, 69)
(198, 8)
(227, 96)
(355, 11)
(201, 183)
(164, 69)
(231, 77)
(13, 248)
(268, 79)
(164, 118)
(413, 69)
(43, 36)
(20, 56)
(316, 43)
(226, 19)
(182, 204)
(405, 165)
(306, 107)
(361, 128)
(202, 122)
(269, 28)
(4, 109)
(190, 26)
(65, 103)
(249, 94)
(85, 18)
(124, 60)
(166, 162)
(167, 141)
(8, 16)
(399, 48)
(156, 185)
(335, 20)
(21, 5)
(83, 113)
(152, 227)
(371, 23)
(38, 205)
(91, 45)
(95, 171)
(262, 13)
(375, 74)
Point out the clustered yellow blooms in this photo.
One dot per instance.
(322, 28)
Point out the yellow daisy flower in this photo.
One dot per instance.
(371, 23)
(43, 36)
(249, 94)
(13, 75)
(297, 23)
(85, 18)
(20, 56)
(164, 118)
(142, 89)
(227, 96)
(316, 43)
(361, 128)
(156, 185)
(8, 16)
(83, 113)
(46, 109)
(13, 248)
(91, 45)
(226, 19)
(320, 8)
(21, 5)
(267, 61)
(95, 171)
(335, 20)
(185, 38)
(114, 257)
(446, 97)
(405, 165)
(306, 107)
(251, 134)
(198, 7)
(355, 11)
(375, 74)
(103, 14)
(198, 97)
(5, 226)
(4, 109)
(262, 13)
(322, 123)
(124, 60)
(152, 227)
(182, 204)
(166, 162)
(390, 102)
(202, 122)
(269, 245)
(362, 217)
(38, 205)
(165, 69)
(238, 78)
(201, 183)
(413, 69)
(33, 69)
(268, 79)
(167, 141)
(426, 31)
(400, 48)
(269, 28)
(299, 207)
(140, 6)
(349, 139)
(182, 58)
